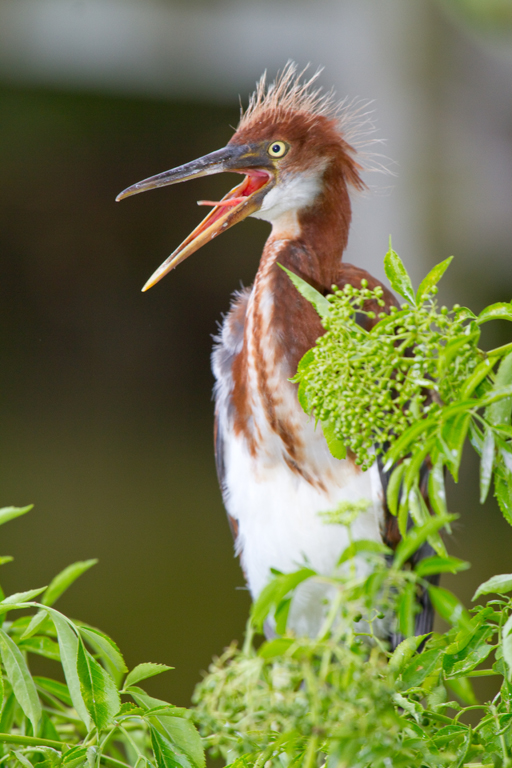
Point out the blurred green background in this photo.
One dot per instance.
(105, 393)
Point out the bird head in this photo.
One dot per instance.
(291, 152)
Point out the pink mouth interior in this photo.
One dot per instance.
(254, 180)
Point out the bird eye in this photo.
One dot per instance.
(278, 149)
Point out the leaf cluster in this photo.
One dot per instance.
(343, 700)
(412, 389)
(99, 716)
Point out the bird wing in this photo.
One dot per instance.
(228, 343)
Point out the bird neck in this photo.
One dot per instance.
(280, 325)
(311, 241)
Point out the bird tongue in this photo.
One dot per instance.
(252, 182)
(218, 203)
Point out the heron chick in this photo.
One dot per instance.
(275, 469)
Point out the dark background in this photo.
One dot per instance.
(105, 392)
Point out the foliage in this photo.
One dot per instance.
(343, 699)
(414, 386)
(82, 721)
(347, 701)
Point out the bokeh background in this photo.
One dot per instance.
(105, 393)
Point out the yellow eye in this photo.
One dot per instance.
(277, 149)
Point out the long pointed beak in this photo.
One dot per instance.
(240, 202)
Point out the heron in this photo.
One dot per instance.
(274, 467)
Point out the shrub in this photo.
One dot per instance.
(340, 699)
(82, 721)
(343, 699)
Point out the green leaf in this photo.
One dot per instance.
(64, 579)
(68, 644)
(471, 655)
(363, 545)
(393, 490)
(244, 761)
(20, 757)
(410, 706)
(182, 738)
(495, 395)
(448, 606)
(436, 489)
(274, 592)
(447, 354)
(306, 361)
(55, 688)
(8, 711)
(306, 290)
(476, 438)
(6, 559)
(499, 311)
(407, 608)
(421, 515)
(404, 652)
(143, 671)
(454, 433)
(415, 463)
(401, 446)
(276, 647)
(281, 615)
(128, 708)
(9, 513)
(42, 646)
(165, 755)
(74, 757)
(150, 704)
(431, 565)
(432, 279)
(500, 585)
(20, 679)
(22, 597)
(104, 646)
(506, 645)
(335, 445)
(98, 689)
(35, 622)
(503, 494)
(421, 667)
(486, 464)
(417, 536)
(397, 275)
(501, 411)
(303, 398)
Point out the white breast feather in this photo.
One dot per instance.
(293, 193)
(277, 510)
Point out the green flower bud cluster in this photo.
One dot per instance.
(371, 385)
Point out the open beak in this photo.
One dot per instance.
(240, 202)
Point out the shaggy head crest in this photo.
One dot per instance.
(290, 92)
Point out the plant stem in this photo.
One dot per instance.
(30, 741)
(113, 762)
(309, 760)
(500, 350)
